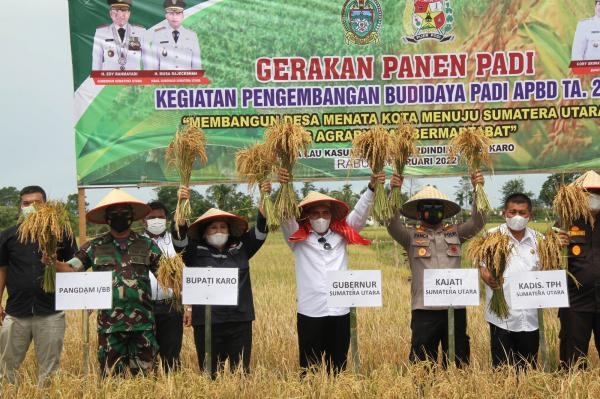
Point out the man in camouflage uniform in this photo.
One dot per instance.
(126, 331)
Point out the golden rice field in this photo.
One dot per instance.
(383, 336)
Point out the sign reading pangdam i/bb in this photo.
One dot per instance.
(540, 289)
(210, 286)
(358, 288)
(84, 290)
(451, 287)
(337, 67)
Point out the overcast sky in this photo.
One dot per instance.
(38, 144)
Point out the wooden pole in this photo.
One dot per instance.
(354, 341)
(85, 319)
(543, 346)
(208, 340)
(451, 338)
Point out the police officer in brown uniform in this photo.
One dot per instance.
(578, 321)
(118, 46)
(434, 245)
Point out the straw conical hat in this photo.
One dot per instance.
(409, 209)
(117, 197)
(338, 208)
(237, 225)
(589, 180)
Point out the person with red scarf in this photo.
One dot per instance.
(319, 239)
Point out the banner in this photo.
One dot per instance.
(528, 72)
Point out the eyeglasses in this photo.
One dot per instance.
(326, 245)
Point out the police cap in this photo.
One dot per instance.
(126, 4)
(176, 5)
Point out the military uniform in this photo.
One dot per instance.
(586, 43)
(429, 248)
(166, 54)
(578, 321)
(130, 321)
(111, 53)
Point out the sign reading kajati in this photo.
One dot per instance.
(210, 286)
(540, 289)
(450, 287)
(83, 290)
(349, 288)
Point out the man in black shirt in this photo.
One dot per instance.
(30, 312)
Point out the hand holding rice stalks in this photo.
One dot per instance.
(286, 141)
(377, 147)
(255, 165)
(473, 148)
(571, 204)
(404, 147)
(493, 250)
(46, 226)
(188, 144)
(170, 274)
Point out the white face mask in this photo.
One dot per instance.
(156, 226)
(217, 240)
(517, 223)
(319, 225)
(27, 210)
(594, 202)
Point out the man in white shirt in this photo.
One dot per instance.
(319, 241)
(169, 320)
(586, 42)
(514, 340)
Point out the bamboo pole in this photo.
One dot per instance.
(85, 319)
(208, 340)
(451, 338)
(354, 341)
(543, 345)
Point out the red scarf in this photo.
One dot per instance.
(339, 226)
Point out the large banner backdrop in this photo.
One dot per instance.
(527, 71)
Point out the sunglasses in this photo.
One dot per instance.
(326, 245)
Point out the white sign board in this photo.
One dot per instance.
(541, 289)
(210, 286)
(86, 290)
(450, 287)
(354, 288)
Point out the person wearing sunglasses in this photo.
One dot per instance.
(431, 244)
(319, 240)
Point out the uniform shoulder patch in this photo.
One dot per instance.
(159, 29)
(103, 26)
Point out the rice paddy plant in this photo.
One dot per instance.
(571, 204)
(187, 146)
(170, 273)
(377, 147)
(47, 226)
(404, 146)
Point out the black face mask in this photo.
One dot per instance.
(119, 223)
(432, 214)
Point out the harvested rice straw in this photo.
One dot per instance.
(286, 141)
(376, 146)
(46, 226)
(550, 251)
(170, 274)
(492, 250)
(188, 144)
(404, 139)
(255, 165)
(473, 148)
(571, 204)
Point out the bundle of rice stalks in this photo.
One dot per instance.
(404, 147)
(493, 250)
(170, 274)
(188, 144)
(47, 226)
(286, 141)
(571, 204)
(255, 164)
(377, 147)
(550, 251)
(473, 149)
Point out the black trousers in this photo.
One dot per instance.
(169, 335)
(575, 332)
(323, 339)
(516, 348)
(231, 341)
(430, 328)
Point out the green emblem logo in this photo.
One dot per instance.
(362, 21)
